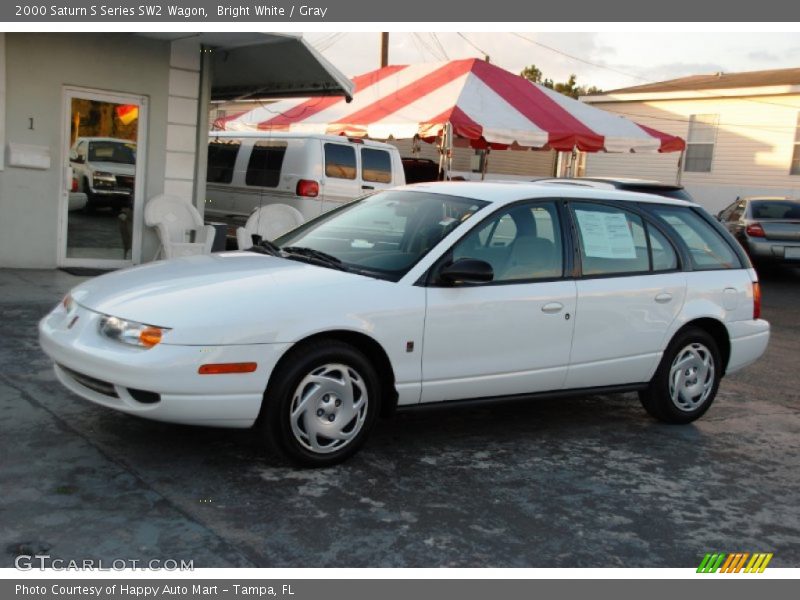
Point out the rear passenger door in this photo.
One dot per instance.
(340, 182)
(629, 292)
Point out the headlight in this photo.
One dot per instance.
(104, 178)
(131, 332)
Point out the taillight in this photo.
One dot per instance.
(755, 230)
(308, 188)
(74, 185)
(756, 300)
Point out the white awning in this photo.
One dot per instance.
(265, 65)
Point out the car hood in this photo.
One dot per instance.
(113, 167)
(223, 298)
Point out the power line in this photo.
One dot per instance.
(466, 39)
(439, 44)
(640, 78)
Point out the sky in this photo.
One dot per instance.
(608, 60)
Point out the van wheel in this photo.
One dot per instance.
(686, 381)
(321, 404)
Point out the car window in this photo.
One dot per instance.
(114, 152)
(664, 256)
(707, 247)
(221, 160)
(386, 233)
(775, 209)
(264, 166)
(612, 240)
(376, 165)
(737, 212)
(340, 161)
(521, 243)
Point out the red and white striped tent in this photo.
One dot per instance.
(481, 102)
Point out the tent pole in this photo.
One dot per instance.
(449, 160)
(485, 164)
(441, 153)
(680, 164)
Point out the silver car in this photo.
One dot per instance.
(767, 227)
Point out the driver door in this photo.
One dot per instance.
(512, 335)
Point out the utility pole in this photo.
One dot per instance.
(384, 49)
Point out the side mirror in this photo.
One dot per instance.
(77, 158)
(467, 270)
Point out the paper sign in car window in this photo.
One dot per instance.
(605, 235)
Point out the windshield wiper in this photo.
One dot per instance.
(266, 247)
(316, 255)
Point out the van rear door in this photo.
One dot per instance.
(376, 170)
(341, 182)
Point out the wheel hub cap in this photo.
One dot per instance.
(329, 408)
(691, 377)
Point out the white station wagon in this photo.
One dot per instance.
(443, 292)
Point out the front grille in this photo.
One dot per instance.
(125, 182)
(97, 385)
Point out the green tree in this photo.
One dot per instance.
(568, 88)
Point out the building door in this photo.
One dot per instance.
(102, 182)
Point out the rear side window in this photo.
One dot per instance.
(221, 160)
(376, 165)
(707, 247)
(340, 161)
(613, 241)
(264, 167)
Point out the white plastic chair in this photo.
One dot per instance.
(175, 219)
(269, 222)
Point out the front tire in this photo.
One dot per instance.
(687, 379)
(321, 403)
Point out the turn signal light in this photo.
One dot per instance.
(150, 336)
(308, 188)
(756, 300)
(755, 230)
(225, 368)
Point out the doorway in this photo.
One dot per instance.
(102, 185)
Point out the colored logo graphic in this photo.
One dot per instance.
(735, 563)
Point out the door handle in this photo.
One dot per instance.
(552, 307)
(367, 187)
(663, 297)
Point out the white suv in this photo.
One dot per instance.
(442, 292)
(105, 170)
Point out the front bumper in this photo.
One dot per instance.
(114, 374)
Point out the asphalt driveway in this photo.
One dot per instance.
(589, 482)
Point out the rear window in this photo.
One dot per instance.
(340, 161)
(775, 209)
(221, 160)
(707, 248)
(264, 167)
(376, 165)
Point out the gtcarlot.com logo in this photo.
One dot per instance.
(719, 562)
(42, 562)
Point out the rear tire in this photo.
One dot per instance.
(321, 403)
(687, 379)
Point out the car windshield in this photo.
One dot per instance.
(383, 235)
(775, 209)
(116, 152)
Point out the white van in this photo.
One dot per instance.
(312, 173)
